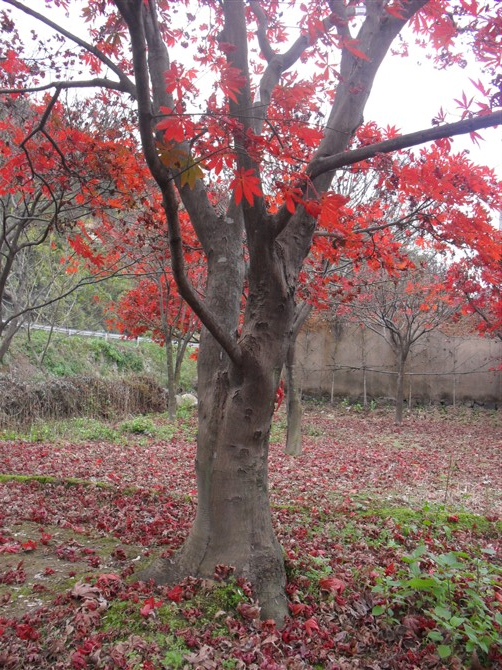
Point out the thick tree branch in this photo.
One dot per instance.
(133, 14)
(374, 38)
(235, 32)
(324, 164)
(196, 201)
(261, 33)
(278, 63)
(301, 315)
(340, 16)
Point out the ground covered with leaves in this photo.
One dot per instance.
(390, 536)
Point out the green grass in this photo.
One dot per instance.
(161, 626)
(87, 429)
(435, 518)
(278, 429)
(48, 479)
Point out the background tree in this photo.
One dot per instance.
(48, 198)
(403, 309)
(436, 198)
(477, 281)
(153, 304)
(53, 288)
(261, 133)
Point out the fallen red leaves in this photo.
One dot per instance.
(335, 547)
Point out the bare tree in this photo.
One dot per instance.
(402, 310)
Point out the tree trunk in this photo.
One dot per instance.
(294, 396)
(233, 522)
(181, 347)
(401, 360)
(168, 344)
(171, 387)
(7, 336)
(294, 406)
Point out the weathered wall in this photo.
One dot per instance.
(342, 360)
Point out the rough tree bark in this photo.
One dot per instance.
(8, 334)
(168, 345)
(401, 357)
(293, 406)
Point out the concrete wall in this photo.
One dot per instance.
(343, 360)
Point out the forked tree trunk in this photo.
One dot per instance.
(236, 399)
(233, 524)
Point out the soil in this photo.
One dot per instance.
(54, 567)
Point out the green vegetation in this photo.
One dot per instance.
(452, 593)
(80, 429)
(50, 382)
(123, 358)
(166, 621)
(436, 520)
(278, 429)
(451, 588)
(140, 425)
(225, 596)
(48, 479)
(75, 355)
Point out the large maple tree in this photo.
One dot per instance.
(232, 100)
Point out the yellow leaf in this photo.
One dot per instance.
(171, 155)
(190, 172)
(174, 157)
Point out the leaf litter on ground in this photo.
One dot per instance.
(77, 520)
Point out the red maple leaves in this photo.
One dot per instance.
(231, 81)
(245, 183)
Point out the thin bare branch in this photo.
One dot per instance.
(279, 63)
(43, 119)
(126, 84)
(97, 82)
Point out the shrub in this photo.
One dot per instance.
(24, 403)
